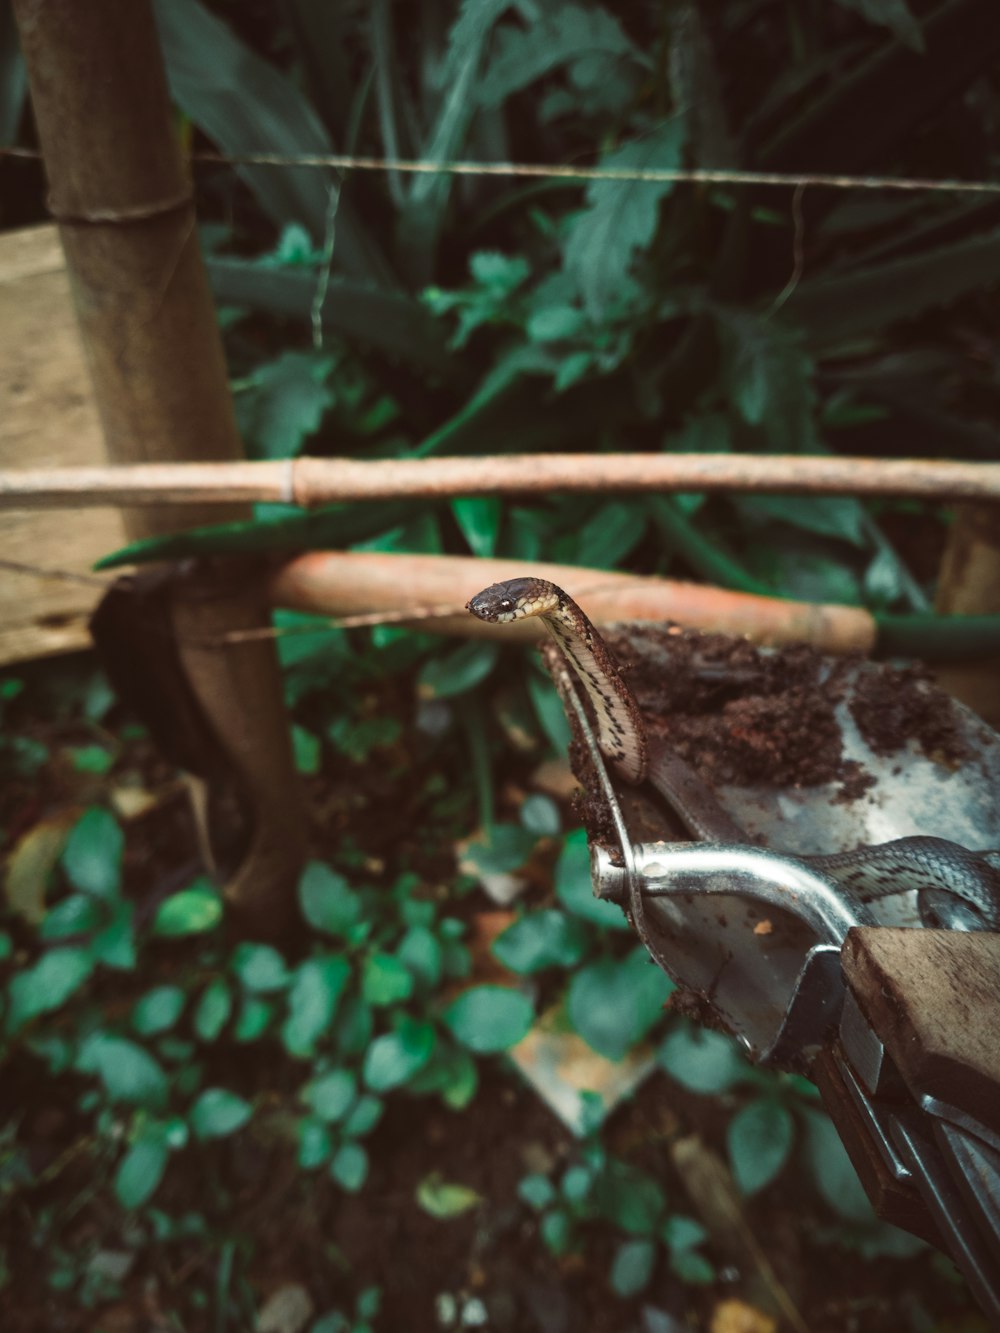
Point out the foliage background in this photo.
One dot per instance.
(385, 315)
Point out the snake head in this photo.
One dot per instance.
(511, 600)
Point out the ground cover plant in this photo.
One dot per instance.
(198, 1127)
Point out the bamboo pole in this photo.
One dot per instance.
(309, 482)
(969, 584)
(121, 194)
(435, 588)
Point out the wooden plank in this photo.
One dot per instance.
(931, 996)
(47, 419)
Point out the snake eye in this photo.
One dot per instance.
(506, 604)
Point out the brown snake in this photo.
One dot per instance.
(941, 871)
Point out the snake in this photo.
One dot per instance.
(956, 887)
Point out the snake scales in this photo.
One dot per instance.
(955, 886)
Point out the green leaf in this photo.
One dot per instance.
(213, 1009)
(831, 1168)
(332, 1094)
(260, 967)
(315, 1143)
(283, 403)
(556, 1230)
(349, 1167)
(363, 1117)
(702, 1061)
(444, 1198)
(90, 758)
(555, 323)
(682, 1233)
(316, 989)
(539, 814)
(632, 1267)
(558, 36)
(629, 1199)
(575, 890)
(829, 515)
(759, 1140)
(769, 377)
(253, 1019)
(489, 1019)
(76, 915)
(691, 1267)
(479, 517)
(457, 671)
(536, 1191)
(393, 1059)
(129, 1073)
(893, 14)
(307, 750)
(92, 858)
(621, 218)
(141, 1169)
(114, 943)
(218, 1113)
(327, 901)
(539, 940)
(385, 980)
(352, 1030)
(158, 1010)
(549, 711)
(420, 952)
(46, 985)
(193, 911)
(504, 848)
(614, 1004)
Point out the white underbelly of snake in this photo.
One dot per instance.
(955, 886)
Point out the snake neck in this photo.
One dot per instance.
(620, 730)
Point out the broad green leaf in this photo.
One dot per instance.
(505, 848)
(554, 323)
(332, 1094)
(129, 1073)
(46, 985)
(632, 1267)
(363, 1117)
(306, 749)
(158, 1010)
(393, 1059)
(283, 403)
(621, 218)
(556, 1230)
(574, 887)
(682, 1233)
(489, 1019)
(92, 858)
(701, 1060)
(141, 1169)
(218, 1113)
(614, 1004)
(349, 1167)
(315, 991)
(260, 967)
(832, 1171)
(327, 900)
(893, 14)
(254, 1018)
(629, 1199)
(444, 1198)
(541, 939)
(315, 1143)
(829, 515)
(245, 105)
(479, 518)
(560, 35)
(193, 911)
(549, 711)
(759, 1140)
(385, 980)
(90, 758)
(420, 952)
(539, 814)
(457, 671)
(114, 943)
(692, 1267)
(213, 1009)
(536, 1191)
(769, 379)
(78, 914)
(353, 1026)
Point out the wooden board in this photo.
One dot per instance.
(47, 419)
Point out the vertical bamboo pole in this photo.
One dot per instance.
(121, 194)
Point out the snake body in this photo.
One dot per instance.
(956, 886)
